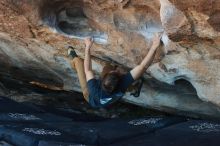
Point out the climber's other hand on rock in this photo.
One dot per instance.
(156, 40)
(88, 42)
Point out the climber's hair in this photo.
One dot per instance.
(110, 81)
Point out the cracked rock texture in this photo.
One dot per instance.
(183, 79)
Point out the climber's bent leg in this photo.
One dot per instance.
(78, 65)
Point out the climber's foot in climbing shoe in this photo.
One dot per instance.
(71, 52)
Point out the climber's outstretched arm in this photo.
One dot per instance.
(139, 70)
(87, 61)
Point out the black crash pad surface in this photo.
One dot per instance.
(31, 125)
(190, 133)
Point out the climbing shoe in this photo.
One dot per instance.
(71, 52)
(138, 85)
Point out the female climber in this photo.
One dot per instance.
(113, 85)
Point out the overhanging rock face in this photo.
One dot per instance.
(184, 77)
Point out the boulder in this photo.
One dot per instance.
(183, 79)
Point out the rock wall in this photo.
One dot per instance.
(184, 77)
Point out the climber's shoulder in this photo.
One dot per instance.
(125, 81)
(94, 87)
